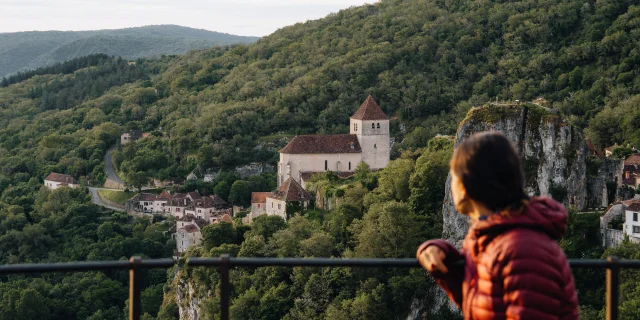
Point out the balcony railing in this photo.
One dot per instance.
(225, 262)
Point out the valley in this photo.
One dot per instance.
(266, 139)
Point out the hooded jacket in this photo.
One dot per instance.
(514, 268)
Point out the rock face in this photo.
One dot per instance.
(553, 154)
(254, 168)
(607, 177)
(187, 300)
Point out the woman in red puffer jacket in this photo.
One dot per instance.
(514, 268)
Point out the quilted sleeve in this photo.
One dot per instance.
(451, 282)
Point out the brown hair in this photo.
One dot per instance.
(490, 171)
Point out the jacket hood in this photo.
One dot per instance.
(544, 214)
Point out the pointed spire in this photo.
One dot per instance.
(369, 110)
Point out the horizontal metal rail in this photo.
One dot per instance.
(225, 263)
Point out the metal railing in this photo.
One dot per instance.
(225, 263)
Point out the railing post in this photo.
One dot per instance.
(135, 284)
(225, 263)
(613, 289)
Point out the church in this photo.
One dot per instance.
(368, 142)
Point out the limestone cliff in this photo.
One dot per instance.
(553, 154)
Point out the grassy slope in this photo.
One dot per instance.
(120, 197)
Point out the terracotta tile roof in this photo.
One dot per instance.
(259, 197)
(226, 218)
(165, 195)
(632, 160)
(337, 143)
(203, 203)
(194, 195)
(147, 197)
(369, 110)
(190, 228)
(187, 218)
(290, 190)
(306, 175)
(191, 218)
(62, 178)
(628, 202)
(634, 206)
(218, 201)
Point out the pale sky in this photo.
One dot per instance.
(240, 17)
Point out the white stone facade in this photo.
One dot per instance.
(53, 185)
(373, 136)
(277, 207)
(291, 165)
(632, 223)
(186, 237)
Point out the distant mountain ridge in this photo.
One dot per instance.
(23, 51)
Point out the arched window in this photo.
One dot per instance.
(373, 126)
(378, 125)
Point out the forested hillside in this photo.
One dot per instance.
(23, 51)
(426, 62)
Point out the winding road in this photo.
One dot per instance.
(95, 198)
(108, 166)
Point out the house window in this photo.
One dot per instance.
(373, 126)
(349, 165)
(355, 127)
(636, 229)
(326, 165)
(177, 209)
(278, 206)
(375, 146)
(271, 204)
(378, 125)
(199, 211)
(635, 216)
(258, 205)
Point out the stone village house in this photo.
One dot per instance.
(132, 136)
(56, 180)
(289, 195)
(628, 211)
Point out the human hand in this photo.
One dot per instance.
(432, 259)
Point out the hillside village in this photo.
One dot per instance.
(305, 155)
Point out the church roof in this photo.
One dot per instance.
(290, 190)
(369, 110)
(337, 143)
